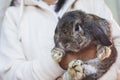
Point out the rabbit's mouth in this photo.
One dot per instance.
(75, 50)
(72, 50)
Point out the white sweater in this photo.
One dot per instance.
(27, 34)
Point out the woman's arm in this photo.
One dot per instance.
(13, 63)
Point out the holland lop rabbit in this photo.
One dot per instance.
(75, 31)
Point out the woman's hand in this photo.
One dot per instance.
(59, 78)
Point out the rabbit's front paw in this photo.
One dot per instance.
(75, 69)
(57, 54)
(104, 52)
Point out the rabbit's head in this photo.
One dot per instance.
(76, 30)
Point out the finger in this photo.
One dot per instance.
(59, 78)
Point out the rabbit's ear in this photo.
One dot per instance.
(59, 18)
(99, 34)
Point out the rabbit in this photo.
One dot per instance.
(74, 32)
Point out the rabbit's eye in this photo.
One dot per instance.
(77, 27)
